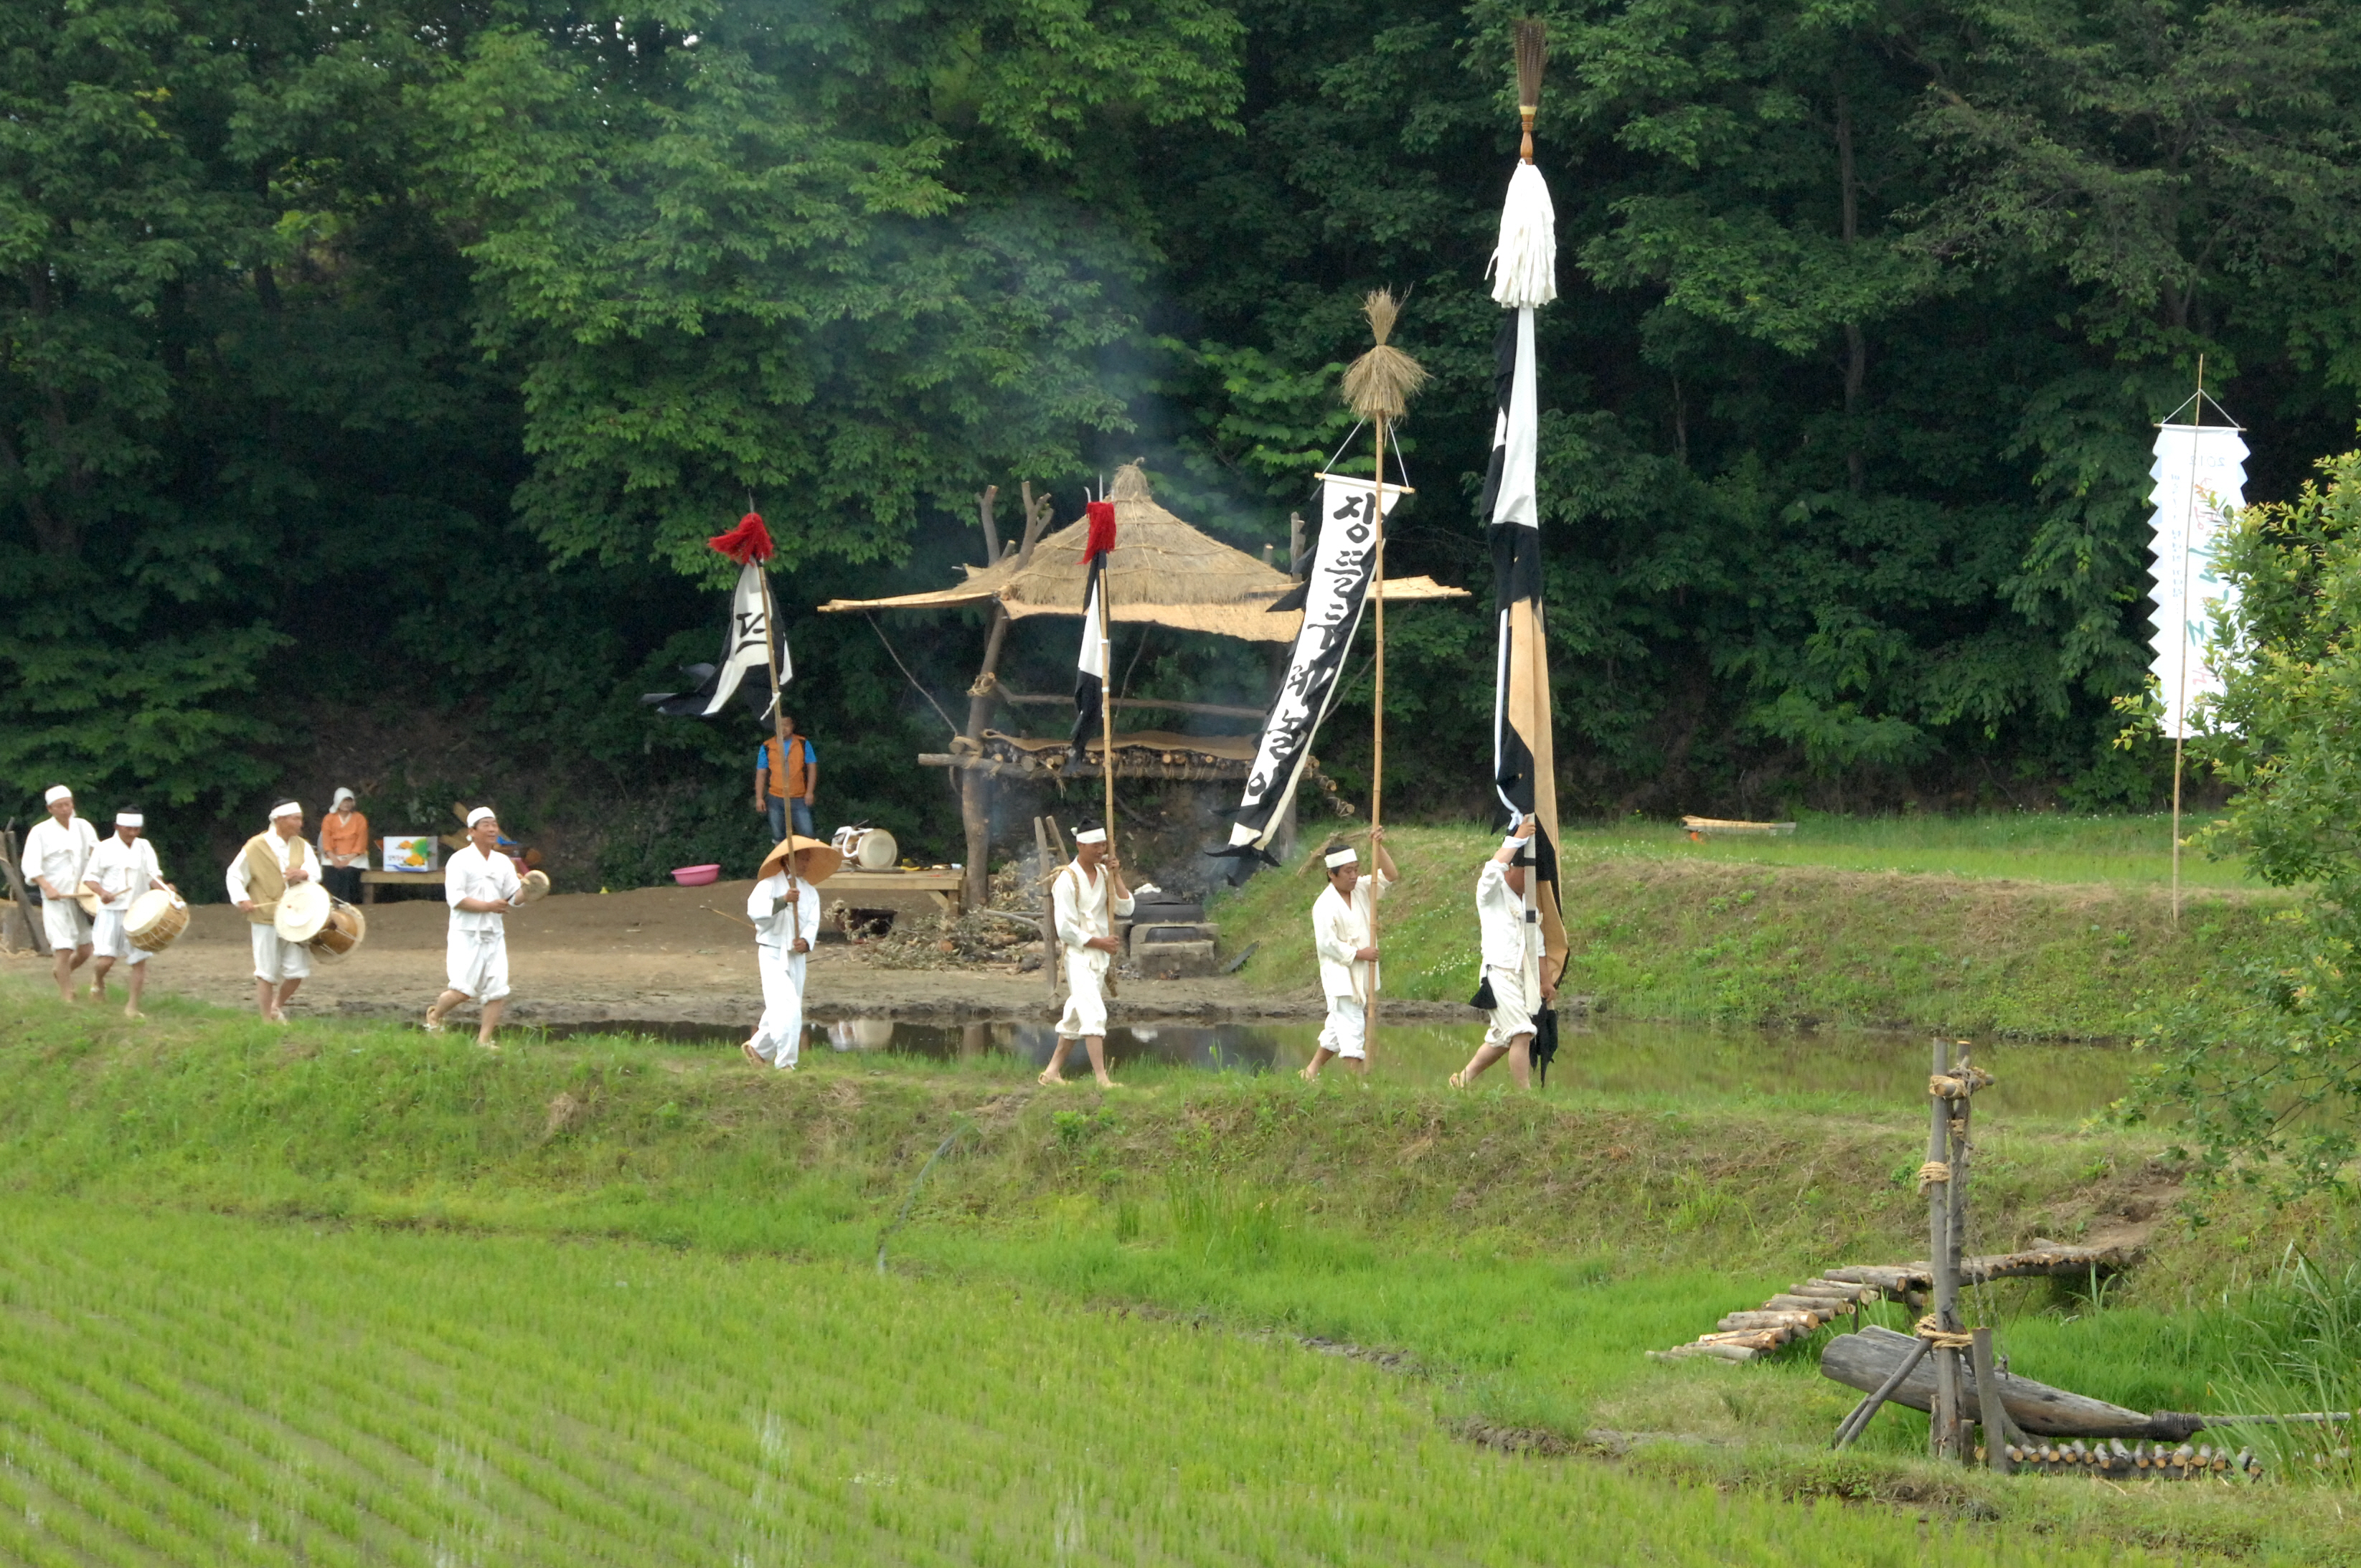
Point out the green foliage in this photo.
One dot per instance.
(2270, 1072)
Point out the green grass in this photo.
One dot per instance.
(349, 1294)
(1671, 931)
(2022, 845)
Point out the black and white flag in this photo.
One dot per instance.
(1525, 763)
(1344, 560)
(741, 658)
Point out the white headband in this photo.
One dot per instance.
(1342, 858)
(57, 792)
(342, 796)
(129, 820)
(479, 814)
(1090, 836)
(286, 807)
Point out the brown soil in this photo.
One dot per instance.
(666, 956)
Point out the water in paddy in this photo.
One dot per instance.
(1670, 1064)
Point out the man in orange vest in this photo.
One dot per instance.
(787, 788)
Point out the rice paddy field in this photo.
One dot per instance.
(347, 1294)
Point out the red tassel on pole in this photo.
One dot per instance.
(750, 541)
(1102, 535)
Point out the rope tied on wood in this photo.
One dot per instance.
(1932, 1172)
(1941, 1338)
(1960, 1082)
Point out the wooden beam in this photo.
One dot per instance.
(1217, 709)
(1867, 1359)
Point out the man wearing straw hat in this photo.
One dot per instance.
(1348, 964)
(1087, 898)
(785, 908)
(120, 870)
(57, 851)
(1512, 961)
(482, 887)
(272, 861)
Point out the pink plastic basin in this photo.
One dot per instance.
(697, 876)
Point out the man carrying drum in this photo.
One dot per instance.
(57, 851)
(482, 885)
(120, 870)
(272, 861)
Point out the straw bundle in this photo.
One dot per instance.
(1380, 383)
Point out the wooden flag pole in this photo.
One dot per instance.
(1106, 696)
(1378, 746)
(2181, 698)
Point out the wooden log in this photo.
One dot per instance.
(36, 934)
(1820, 1306)
(1990, 1412)
(1763, 1320)
(1854, 1425)
(1866, 1359)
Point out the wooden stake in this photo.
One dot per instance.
(2180, 702)
(1943, 1293)
(1993, 1414)
(1377, 749)
(1049, 910)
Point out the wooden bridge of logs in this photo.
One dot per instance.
(1804, 1310)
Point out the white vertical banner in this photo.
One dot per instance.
(2201, 480)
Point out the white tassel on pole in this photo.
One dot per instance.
(1524, 264)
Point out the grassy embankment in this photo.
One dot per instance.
(489, 1391)
(2026, 926)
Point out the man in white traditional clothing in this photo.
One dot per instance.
(120, 870)
(482, 887)
(1512, 961)
(268, 863)
(1086, 899)
(784, 907)
(57, 851)
(1348, 964)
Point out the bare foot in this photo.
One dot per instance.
(133, 1013)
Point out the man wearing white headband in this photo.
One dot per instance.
(266, 865)
(57, 851)
(1512, 961)
(482, 885)
(121, 869)
(1087, 898)
(1348, 964)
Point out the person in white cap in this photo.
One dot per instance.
(1348, 964)
(57, 851)
(482, 885)
(784, 907)
(266, 865)
(1512, 961)
(1087, 898)
(344, 846)
(120, 870)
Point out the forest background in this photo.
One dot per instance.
(371, 374)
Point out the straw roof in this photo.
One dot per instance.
(1162, 572)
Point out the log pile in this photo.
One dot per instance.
(1802, 1311)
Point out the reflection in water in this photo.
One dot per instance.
(1615, 1057)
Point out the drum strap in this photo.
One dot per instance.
(266, 877)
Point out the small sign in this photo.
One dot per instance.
(421, 853)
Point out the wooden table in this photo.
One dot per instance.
(942, 888)
(372, 881)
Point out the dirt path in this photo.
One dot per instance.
(663, 956)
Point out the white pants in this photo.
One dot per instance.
(107, 940)
(276, 960)
(65, 922)
(1347, 1030)
(476, 963)
(779, 1037)
(1513, 1013)
(1085, 1011)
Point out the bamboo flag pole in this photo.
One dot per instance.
(2181, 698)
(1379, 386)
(1107, 696)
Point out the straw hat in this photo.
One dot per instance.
(826, 859)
